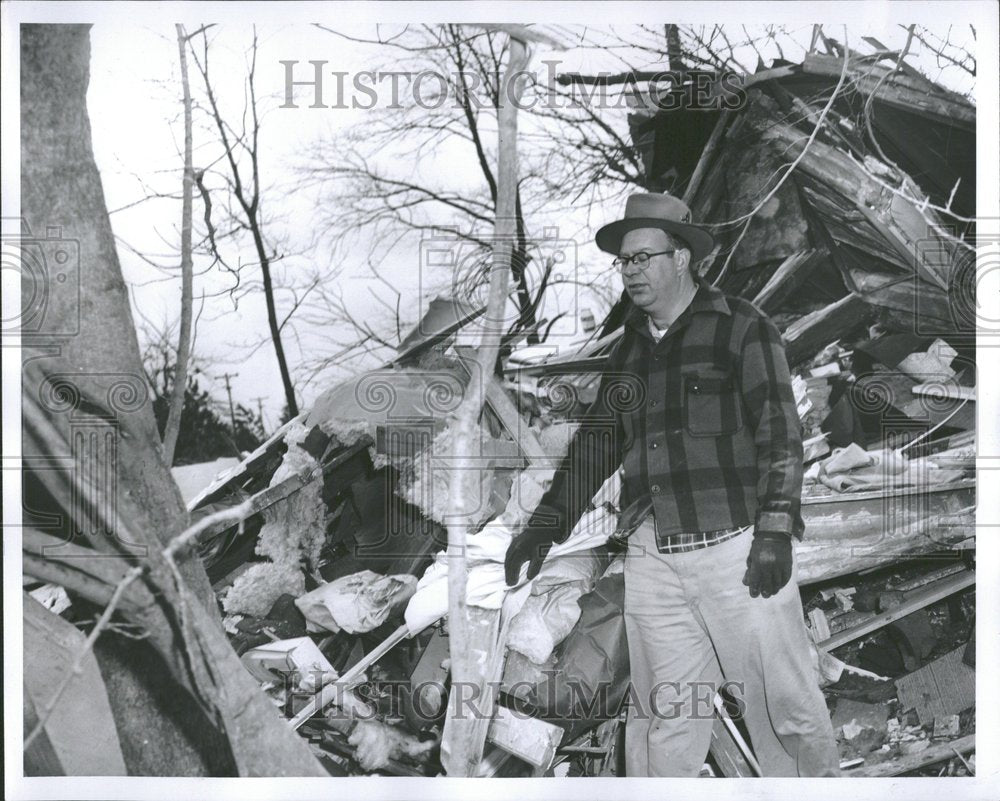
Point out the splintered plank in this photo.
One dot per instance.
(944, 687)
(897, 219)
(807, 335)
(786, 279)
(938, 752)
(728, 752)
(850, 532)
(271, 495)
(505, 409)
(930, 594)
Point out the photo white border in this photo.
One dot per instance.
(986, 785)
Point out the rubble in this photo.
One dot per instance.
(885, 416)
(335, 580)
(292, 535)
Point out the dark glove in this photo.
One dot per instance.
(532, 545)
(769, 565)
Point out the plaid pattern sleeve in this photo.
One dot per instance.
(595, 452)
(770, 406)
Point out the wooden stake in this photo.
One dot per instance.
(460, 751)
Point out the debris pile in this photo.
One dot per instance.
(334, 582)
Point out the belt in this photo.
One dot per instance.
(642, 509)
(696, 540)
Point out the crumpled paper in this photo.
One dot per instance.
(355, 603)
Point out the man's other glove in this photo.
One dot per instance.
(769, 565)
(532, 544)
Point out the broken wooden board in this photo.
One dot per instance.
(925, 308)
(904, 226)
(808, 334)
(896, 89)
(334, 692)
(533, 740)
(938, 752)
(728, 752)
(236, 475)
(849, 532)
(944, 687)
(917, 600)
(510, 416)
(787, 278)
(79, 738)
(271, 495)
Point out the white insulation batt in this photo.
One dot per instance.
(485, 551)
(293, 532)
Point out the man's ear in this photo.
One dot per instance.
(682, 259)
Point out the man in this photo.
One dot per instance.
(697, 405)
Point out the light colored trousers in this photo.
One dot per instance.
(692, 626)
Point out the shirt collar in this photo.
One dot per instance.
(707, 299)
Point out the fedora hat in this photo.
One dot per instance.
(666, 212)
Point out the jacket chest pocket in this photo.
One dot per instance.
(712, 405)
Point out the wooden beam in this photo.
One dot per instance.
(707, 155)
(924, 597)
(335, 690)
(729, 749)
(239, 472)
(463, 739)
(904, 764)
(471, 706)
(899, 91)
(785, 280)
(508, 413)
(272, 495)
(856, 531)
(905, 227)
(945, 391)
(908, 295)
(808, 334)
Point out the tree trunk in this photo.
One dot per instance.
(519, 270)
(173, 426)
(86, 405)
(272, 322)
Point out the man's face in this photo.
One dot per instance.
(654, 285)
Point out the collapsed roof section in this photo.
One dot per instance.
(840, 180)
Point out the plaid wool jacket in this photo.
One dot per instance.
(704, 423)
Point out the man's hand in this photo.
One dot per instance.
(532, 546)
(769, 565)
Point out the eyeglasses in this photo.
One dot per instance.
(640, 260)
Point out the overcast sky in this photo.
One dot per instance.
(134, 103)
